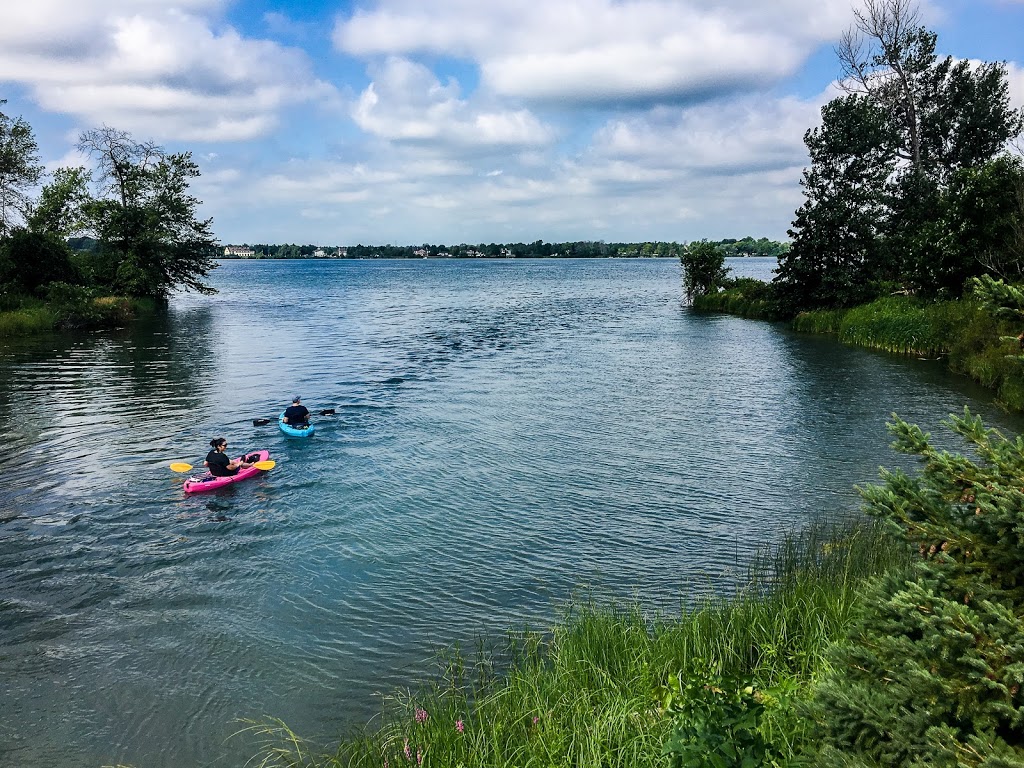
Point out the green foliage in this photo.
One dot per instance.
(145, 219)
(899, 324)
(743, 296)
(78, 307)
(22, 320)
(932, 673)
(19, 169)
(60, 210)
(30, 260)
(836, 251)
(907, 181)
(704, 269)
(717, 720)
(820, 321)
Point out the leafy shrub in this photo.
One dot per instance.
(717, 720)
(76, 306)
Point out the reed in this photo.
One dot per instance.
(819, 321)
(586, 693)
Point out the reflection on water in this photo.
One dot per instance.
(505, 432)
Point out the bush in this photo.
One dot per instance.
(704, 269)
(32, 260)
(75, 306)
(933, 670)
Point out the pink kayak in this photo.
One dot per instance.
(208, 482)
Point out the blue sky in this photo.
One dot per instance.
(451, 121)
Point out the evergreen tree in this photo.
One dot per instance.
(933, 670)
(836, 250)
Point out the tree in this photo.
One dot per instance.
(145, 218)
(836, 251)
(32, 260)
(926, 126)
(704, 269)
(20, 170)
(933, 670)
(61, 208)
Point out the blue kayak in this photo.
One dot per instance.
(304, 431)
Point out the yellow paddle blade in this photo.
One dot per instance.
(180, 466)
(268, 464)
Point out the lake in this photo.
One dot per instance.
(507, 433)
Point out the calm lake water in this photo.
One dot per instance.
(507, 432)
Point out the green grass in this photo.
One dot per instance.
(587, 693)
(35, 316)
(26, 321)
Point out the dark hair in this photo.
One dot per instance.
(217, 441)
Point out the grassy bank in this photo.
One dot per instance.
(970, 339)
(72, 310)
(609, 685)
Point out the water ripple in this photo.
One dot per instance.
(505, 434)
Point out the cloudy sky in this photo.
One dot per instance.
(462, 121)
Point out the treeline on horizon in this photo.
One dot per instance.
(730, 247)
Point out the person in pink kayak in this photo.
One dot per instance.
(217, 460)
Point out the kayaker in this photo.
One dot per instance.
(217, 460)
(296, 414)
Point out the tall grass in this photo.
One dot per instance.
(26, 321)
(585, 693)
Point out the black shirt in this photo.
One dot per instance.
(217, 463)
(296, 414)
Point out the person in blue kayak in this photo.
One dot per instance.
(296, 415)
(217, 460)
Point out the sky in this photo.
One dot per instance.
(407, 122)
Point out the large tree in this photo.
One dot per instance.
(20, 170)
(928, 125)
(144, 217)
(836, 253)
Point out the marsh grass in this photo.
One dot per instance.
(74, 308)
(587, 692)
(26, 321)
(742, 296)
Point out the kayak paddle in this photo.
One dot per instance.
(264, 422)
(180, 466)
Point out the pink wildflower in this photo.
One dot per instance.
(421, 715)
(408, 752)
(460, 726)
(536, 720)
(419, 757)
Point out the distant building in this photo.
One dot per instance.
(239, 252)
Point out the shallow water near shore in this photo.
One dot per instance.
(506, 432)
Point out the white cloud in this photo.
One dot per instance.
(161, 72)
(595, 51)
(406, 102)
(1015, 80)
(668, 173)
